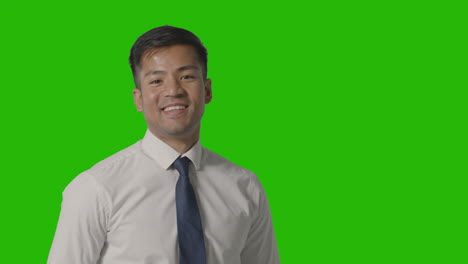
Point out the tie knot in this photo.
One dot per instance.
(182, 165)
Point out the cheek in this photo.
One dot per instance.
(150, 98)
(199, 95)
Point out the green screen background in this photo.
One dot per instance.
(352, 114)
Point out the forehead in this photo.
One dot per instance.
(176, 55)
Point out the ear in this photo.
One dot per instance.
(208, 91)
(138, 99)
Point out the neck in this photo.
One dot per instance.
(180, 144)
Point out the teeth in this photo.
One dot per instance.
(176, 107)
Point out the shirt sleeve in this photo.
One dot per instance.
(82, 226)
(260, 246)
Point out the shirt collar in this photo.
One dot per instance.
(165, 155)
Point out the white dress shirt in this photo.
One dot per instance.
(122, 210)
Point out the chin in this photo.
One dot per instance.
(179, 131)
(176, 130)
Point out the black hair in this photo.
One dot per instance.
(165, 36)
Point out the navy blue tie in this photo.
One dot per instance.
(189, 228)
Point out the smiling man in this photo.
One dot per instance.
(166, 199)
(172, 93)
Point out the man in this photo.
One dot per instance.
(166, 199)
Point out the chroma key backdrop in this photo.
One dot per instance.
(351, 113)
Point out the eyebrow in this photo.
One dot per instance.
(183, 68)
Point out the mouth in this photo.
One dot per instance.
(174, 108)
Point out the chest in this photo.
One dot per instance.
(143, 221)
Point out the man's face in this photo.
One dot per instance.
(173, 92)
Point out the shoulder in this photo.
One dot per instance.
(231, 170)
(118, 159)
(234, 178)
(213, 160)
(108, 171)
(105, 175)
(120, 164)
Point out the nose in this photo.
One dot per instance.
(174, 88)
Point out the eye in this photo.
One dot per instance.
(155, 81)
(185, 77)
